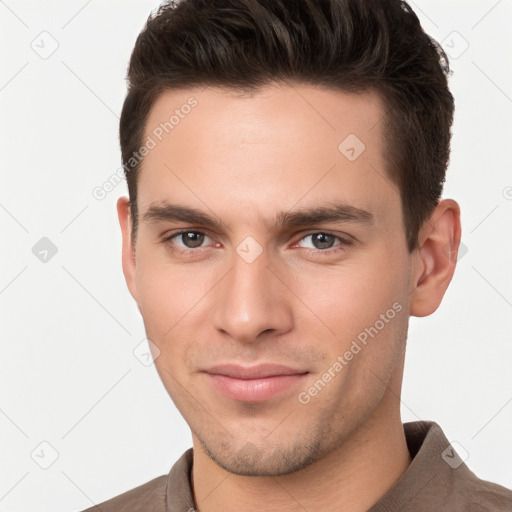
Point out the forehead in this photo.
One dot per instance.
(275, 106)
(266, 150)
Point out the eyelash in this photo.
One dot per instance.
(344, 242)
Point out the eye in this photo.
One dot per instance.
(188, 239)
(322, 241)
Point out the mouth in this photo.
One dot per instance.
(253, 384)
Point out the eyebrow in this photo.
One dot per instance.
(338, 212)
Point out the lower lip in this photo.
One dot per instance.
(253, 390)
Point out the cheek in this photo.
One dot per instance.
(363, 306)
(158, 305)
(349, 298)
(167, 294)
(173, 300)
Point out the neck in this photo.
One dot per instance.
(350, 478)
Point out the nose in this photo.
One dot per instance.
(252, 300)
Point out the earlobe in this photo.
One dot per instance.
(436, 258)
(128, 253)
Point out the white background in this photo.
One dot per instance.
(69, 327)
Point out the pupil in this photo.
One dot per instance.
(192, 239)
(322, 241)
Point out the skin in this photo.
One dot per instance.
(244, 159)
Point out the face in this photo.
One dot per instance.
(271, 269)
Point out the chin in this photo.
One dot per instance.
(267, 460)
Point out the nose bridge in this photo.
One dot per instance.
(250, 300)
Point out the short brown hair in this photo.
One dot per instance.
(345, 45)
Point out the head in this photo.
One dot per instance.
(285, 162)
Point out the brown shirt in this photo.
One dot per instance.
(437, 480)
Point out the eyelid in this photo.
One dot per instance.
(169, 236)
(344, 239)
(180, 231)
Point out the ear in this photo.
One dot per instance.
(436, 257)
(129, 262)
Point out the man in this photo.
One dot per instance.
(285, 162)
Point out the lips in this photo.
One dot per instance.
(253, 384)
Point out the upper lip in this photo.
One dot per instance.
(253, 372)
